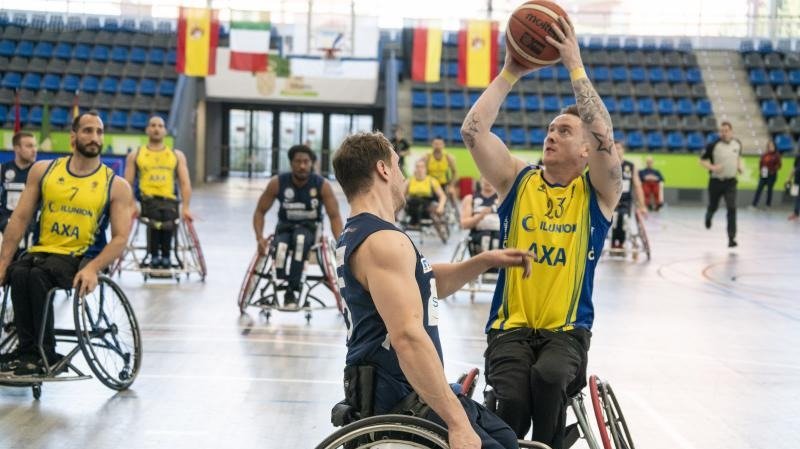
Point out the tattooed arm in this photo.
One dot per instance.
(604, 164)
(491, 155)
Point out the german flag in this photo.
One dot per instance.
(477, 53)
(426, 54)
(198, 34)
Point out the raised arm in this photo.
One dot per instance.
(491, 155)
(604, 165)
(332, 209)
(264, 204)
(385, 265)
(21, 217)
(185, 185)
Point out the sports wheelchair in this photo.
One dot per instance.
(261, 285)
(187, 254)
(401, 431)
(468, 247)
(105, 331)
(428, 224)
(636, 241)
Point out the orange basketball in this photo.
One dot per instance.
(526, 31)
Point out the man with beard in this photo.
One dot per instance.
(77, 196)
(156, 166)
(301, 194)
(15, 173)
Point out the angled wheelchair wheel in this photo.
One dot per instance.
(643, 234)
(395, 431)
(8, 334)
(256, 272)
(196, 249)
(603, 422)
(108, 334)
(469, 381)
(327, 261)
(442, 230)
(619, 427)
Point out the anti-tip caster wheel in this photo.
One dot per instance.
(37, 391)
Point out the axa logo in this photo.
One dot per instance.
(528, 223)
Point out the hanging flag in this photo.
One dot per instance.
(249, 41)
(426, 54)
(76, 110)
(17, 113)
(477, 53)
(198, 33)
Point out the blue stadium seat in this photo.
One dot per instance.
(166, 88)
(649, 44)
(646, 106)
(746, 46)
(536, 136)
(551, 103)
(595, 43)
(567, 100)
(24, 49)
(111, 24)
(100, 53)
(656, 75)
(82, 52)
(655, 140)
(638, 74)
(438, 100)
(777, 76)
(109, 85)
(452, 69)
(74, 23)
(59, 117)
(685, 106)
(619, 74)
(685, 45)
(20, 20)
(626, 105)
(675, 75)
(419, 99)
(43, 50)
(473, 97)
(711, 137)
(35, 116)
(562, 74)
(611, 104)
(619, 135)
(758, 77)
(784, 143)
(440, 131)
(11, 80)
(3, 114)
(420, 133)
(794, 77)
(634, 140)
(93, 23)
(601, 73)
(500, 132)
(455, 134)
(676, 141)
(90, 84)
(128, 26)
(137, 55)
(455, 100)
(71, 83)
(119, 54)
(172, 56)
(517, 136)
(139, 120)
(513, 102)
(631, 43)
(694, 75)
(532, 102)
(156, 56)
(146, 26)
(703, 107)
(119, 119)
(789, 108)
(7, 48)
(147, 86)
(612, 43)
(769, 108)
(546, 73)
(31, 81)
(63, 51)
(765, 46)
(666, 106)
(695, 141)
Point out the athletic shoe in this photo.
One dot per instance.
(708, 222)
(31, 366)
(166, 263)
(732, 244)
(155, 262)
(289, 301)
(793, 217)
(9, 356)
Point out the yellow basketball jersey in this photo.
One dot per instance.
(156, 172)
(420, 189)
(564, 227)
(439, 169)
(73, 210)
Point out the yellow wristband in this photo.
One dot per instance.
(508, 76)
(577, 74)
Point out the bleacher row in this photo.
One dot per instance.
(655, 94)
(774, 73)
(124, 69)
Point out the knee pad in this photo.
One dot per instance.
(299, 246)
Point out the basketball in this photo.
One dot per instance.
(526, 31)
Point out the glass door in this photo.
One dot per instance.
(342, 125)
(250, 142)
(299, 128)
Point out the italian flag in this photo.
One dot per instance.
(249, 41)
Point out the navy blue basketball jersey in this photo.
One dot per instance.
(300, 204)
(14, 179)
(367, 337)
(627, 183)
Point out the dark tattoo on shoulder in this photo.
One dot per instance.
(591, 109)
(615, 176)
(602, 142)
(469, 129)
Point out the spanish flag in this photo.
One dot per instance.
(426, 54)
(477, 53)
(198, 33)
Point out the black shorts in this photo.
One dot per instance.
(162, 212)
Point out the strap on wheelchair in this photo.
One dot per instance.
(359, 390)
(412, 405)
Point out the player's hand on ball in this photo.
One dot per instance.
(567, 44)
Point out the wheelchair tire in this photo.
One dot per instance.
(400, 429)
(328, 264)
(469, 381)
(643, 234)
(253, 277)
(619, 427)
(599, 411)
(196, 250)
(8, 333)
(108, 334)
(442, 230)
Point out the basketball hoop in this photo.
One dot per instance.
(329, 52)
